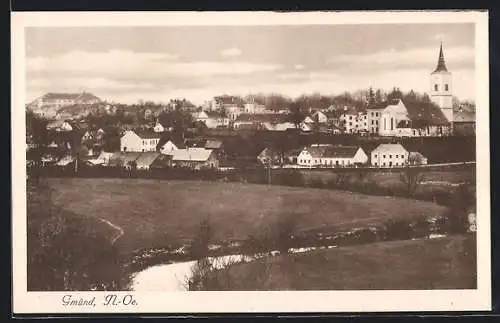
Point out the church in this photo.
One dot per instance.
(414, 119)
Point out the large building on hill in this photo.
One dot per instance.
(48, 104)
(441, 87)
(65, 99)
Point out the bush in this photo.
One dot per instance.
(398, 229)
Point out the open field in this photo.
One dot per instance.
(154, 213)
(442, 263)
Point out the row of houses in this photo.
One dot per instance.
(331, 156)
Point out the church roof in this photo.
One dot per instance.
(441, 66)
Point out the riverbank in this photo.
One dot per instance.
(442, 263)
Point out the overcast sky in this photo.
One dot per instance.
(158, 63)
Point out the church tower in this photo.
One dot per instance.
(441, 87)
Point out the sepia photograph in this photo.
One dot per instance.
(332, 153)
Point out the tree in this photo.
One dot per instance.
(371, 96)
(296, 114)
(411, 176)
(38, 135)
(379, 96)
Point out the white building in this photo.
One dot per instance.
(391, 116)
(441, 87)
(353, 121)
(254, 108)
(139, 141)
(331, 156)
(212, 119)
(158, 127)
(389, 155)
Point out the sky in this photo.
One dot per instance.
(128, 64)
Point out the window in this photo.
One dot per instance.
(446, 87)
(390, 156)
(350, 117)
(350, 123)
(392, 123)
(376, 122)
(383, 156)
(375, 156)
(376, 164)
(372, 121)
(383, 164)
(435, 87)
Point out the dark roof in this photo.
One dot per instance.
(148, 134)
(264, 117)
(441, 66)
(382, 105)
(177, 140)
(423, 113)
(330, 151)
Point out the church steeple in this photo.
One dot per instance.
(441, 66)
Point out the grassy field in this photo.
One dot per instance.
(154, 213)
(443, 263)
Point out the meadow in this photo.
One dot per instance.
(157, 213)
(442, 263)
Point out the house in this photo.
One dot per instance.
(319, 155)
(389, 155)
(254, 108)
(233, 111)
(168, 144)
(64, 99)
(374, 113)
(102, 159)
(266, 121)
(464, 122)
(139, 141)
(124, 159)
(195, 158)
(269, 156)
(353, 120)
(415, 158)
(212, 119)
(146, 159)
(158, 127)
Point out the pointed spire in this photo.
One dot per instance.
(441, 66)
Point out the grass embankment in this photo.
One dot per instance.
(443, 263)
(154, 213)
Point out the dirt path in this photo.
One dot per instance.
(117, 228)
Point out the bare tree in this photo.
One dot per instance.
(411, 176)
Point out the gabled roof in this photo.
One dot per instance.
(423, 113)
(123, 157)
(176, 139)
(382, 105)
(264, 117)
(389, 148)
(331, 151)
(145, 159)
(148, 134)
(192, 154)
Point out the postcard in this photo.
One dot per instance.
(209, 162)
